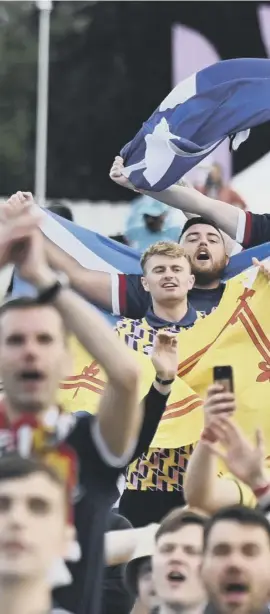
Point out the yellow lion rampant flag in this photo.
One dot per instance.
(236, 334)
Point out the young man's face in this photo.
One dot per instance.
(205, 247)
(33, 356)
(33, 529)
(167, 279)
(176, 565)
(236, 567)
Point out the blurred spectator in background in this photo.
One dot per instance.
(149, 222)
(177, 561)
(35, 532)
(214, 188)
(236, 561)
(62, 211)
(139, 575)
(119, 238)
(115, 595)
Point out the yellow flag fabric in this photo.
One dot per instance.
(236, 334)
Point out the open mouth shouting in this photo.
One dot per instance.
(235, 592)
(31, 378)
(176, 578)
(202, 254)
(31, 374)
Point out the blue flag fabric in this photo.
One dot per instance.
(94, 251)
(220, 101)
(90, 249)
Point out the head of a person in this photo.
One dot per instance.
(215, 175)
(177, 559)
(61, 210)
(154, 213)
(204, 244)
(34, 528)
(119, 238)
(236, 560)
(166, 273)
(140, 582)
(154, 223)
(34, 354)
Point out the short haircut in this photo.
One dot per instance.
(177, 519)
(21, 302)
(240, 514)
(164, 248)
(26, 302)
(199, 220)
(14, 466)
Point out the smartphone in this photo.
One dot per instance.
(224, 377)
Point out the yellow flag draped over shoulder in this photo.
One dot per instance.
(236, 334)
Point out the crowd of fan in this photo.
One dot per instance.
(182, 539)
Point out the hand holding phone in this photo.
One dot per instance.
(224, 377)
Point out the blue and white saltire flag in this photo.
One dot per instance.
(90, 249)
(223, 100)
(93, 251)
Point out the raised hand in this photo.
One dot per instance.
(264, 267)
(17, 222)
(116, 174)
(31, 261)
(165, 355)
(242, 458)
(18, 204)
(217, 403)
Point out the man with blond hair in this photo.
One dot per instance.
(167, 277)
(155, 481)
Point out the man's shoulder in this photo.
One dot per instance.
(117, 522)
(82, 414)
(134, 279)
(74, 423)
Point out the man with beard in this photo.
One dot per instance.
(236, 561)
(176, 564)
(126, 296)
(248, 229)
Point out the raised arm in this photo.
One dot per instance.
(203, 488)
(120, 545)
(96, 286)
(165, 361)
(120, 413)
(189, 200)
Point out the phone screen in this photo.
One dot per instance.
(224, 377)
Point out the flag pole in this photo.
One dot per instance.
(45, 7)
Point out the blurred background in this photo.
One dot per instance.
(110, 64)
